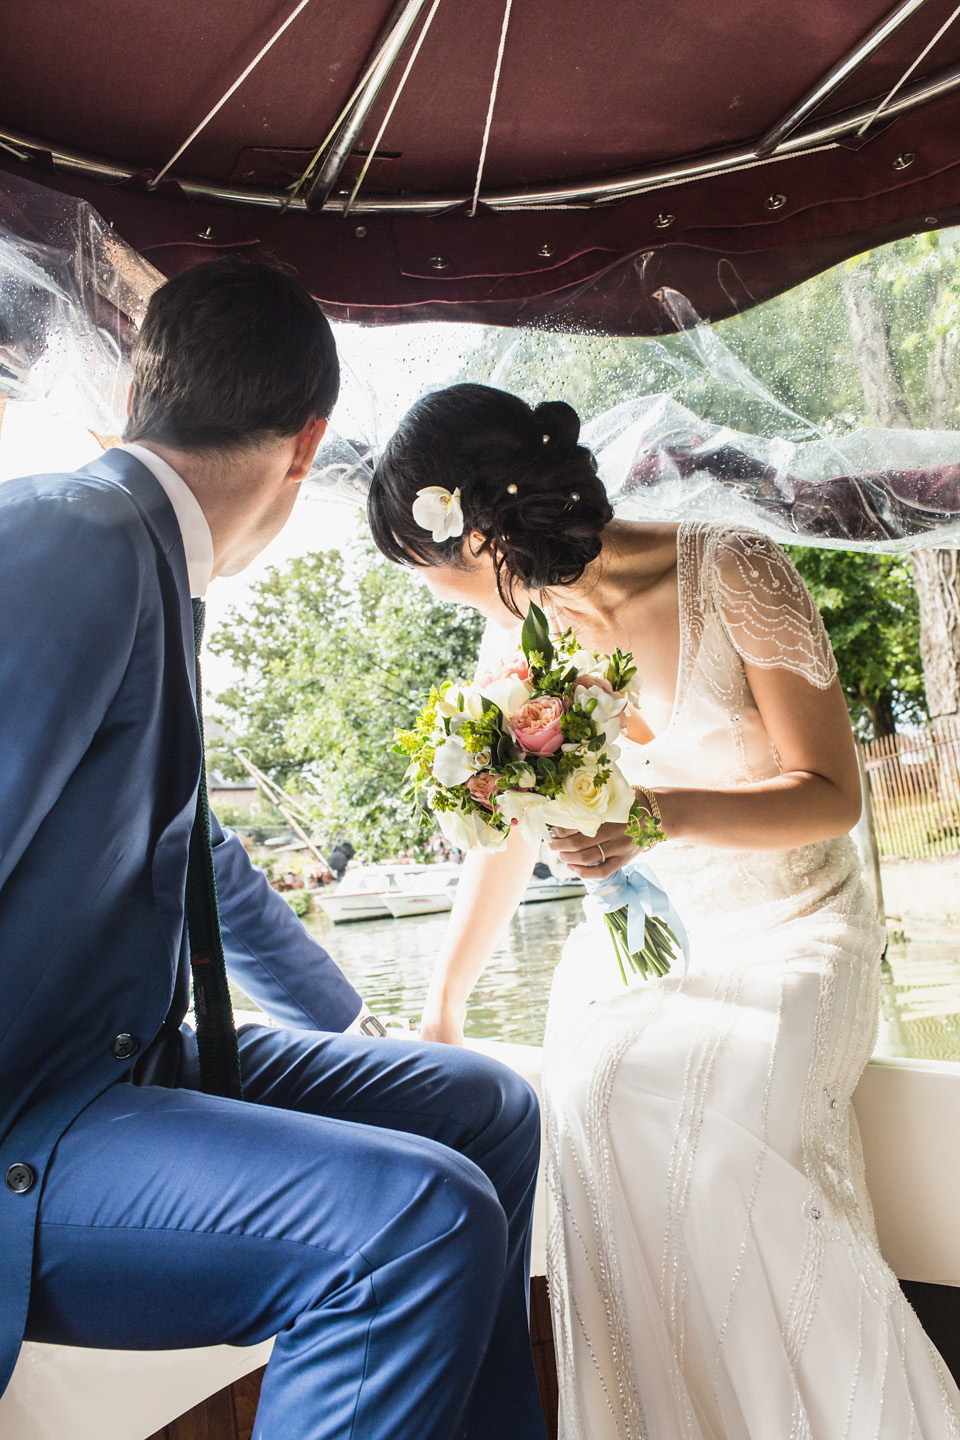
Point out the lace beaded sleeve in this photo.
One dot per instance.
(766, 609)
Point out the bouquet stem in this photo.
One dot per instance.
(660, 945)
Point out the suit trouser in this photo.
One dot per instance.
(371, 1208)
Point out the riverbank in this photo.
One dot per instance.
(922, 897)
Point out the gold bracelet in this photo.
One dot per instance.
(651, 801)
(645, 828)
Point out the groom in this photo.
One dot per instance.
(367, 1201)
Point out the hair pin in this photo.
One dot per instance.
(511, 489)
(546, 439)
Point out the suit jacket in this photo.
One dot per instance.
(99, 766)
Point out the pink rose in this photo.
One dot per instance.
(536, 725)
(482, 787)
(506, 669)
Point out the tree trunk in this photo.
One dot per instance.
(870, 333)
(936, 573)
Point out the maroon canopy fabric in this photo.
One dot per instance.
(588, 90)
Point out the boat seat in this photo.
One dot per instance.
(909, 1117)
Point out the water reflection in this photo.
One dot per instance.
(920, 1001)
(390, 962)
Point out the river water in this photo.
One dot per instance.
(389, 962)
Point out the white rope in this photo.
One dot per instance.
(508, 6)
(391, 107)
(224, 98)
(907, 73)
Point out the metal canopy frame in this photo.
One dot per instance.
(587, 192)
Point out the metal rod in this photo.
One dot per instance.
(271, 793)
(870, 42)
(402, 20)
(602, 189)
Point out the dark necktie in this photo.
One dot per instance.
(216, 1035)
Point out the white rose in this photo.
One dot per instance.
(451, 764)
(470, 831)
(436, 510)
(527, 810)
(585, 804)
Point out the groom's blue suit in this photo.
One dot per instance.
(134, 1210)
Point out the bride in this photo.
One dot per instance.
(714, 1272)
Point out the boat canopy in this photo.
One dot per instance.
(510, 162)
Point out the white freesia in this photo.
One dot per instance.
(527, 810)
(589, 663)
(461, 702)
(508, 694)
(469, 830)
(436, 510)
(451, 763)
(585, 803)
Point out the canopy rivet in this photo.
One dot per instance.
(206, 234)
(360, 231)
(663, 222)
(904, 160)
(775, 202)
(438, 262)
(546, 250)
(930, 220)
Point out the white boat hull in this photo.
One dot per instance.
(425, 903)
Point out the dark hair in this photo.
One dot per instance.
(525, 484)
(230, 353)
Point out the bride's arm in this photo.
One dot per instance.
(491, 886)
(816, 798)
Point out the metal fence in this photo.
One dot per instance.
(914, 780)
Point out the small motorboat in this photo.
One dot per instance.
(554, 887)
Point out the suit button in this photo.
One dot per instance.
(125, 1045)
(20, 1178)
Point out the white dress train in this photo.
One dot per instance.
(713, 1264)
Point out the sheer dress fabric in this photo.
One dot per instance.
(713, 1264)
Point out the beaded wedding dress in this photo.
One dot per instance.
(713, 1263)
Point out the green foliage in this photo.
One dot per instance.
(872, 615)
(332, 650)
(299, 901)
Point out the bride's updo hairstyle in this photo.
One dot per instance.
(525, 484)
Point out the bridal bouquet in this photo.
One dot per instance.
(532, 744)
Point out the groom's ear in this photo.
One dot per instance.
(307, 443)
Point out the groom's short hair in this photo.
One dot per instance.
(230, 353)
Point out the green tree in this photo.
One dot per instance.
(872, 615)
(334, 652)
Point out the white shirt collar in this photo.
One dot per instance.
(197, 540)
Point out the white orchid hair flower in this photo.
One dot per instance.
(436, 510)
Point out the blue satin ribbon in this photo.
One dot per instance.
(635, 888)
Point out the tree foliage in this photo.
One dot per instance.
(333, 652)
(872, 615)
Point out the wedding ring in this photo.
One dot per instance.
(603, 858)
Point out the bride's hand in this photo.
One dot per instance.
(443, 1023)
(594, 857)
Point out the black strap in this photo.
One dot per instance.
(216, 1033)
